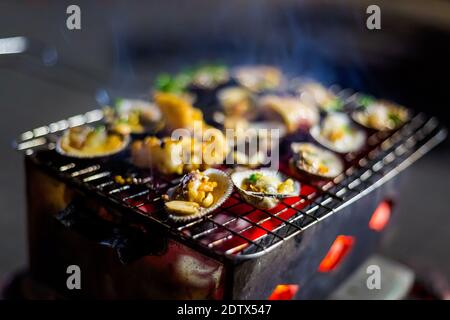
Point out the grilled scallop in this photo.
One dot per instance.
(324, 98)
(337, 133)
(315, 161)
(89, 142)
(381, 115)
(290, 110)
(237, 102)
(198, 194)
(133, 116)
(264, 188)
(258, 78)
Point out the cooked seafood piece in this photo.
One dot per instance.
(237, 102)
(321, 96)
(177, 156)
(177, 112)
(315, 161)
(210, 76)
(89, 142)
(381, 115)
(198, 194)
(258, 78)
(264, 188)
(166, 155)
(133, 116)
(290, 110)
(337, 133)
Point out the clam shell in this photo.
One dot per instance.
(359, 139)
(252, 76)
(125, 142)
(221, 193)
(128, 105)
(333, 159)
(259, 199)
(360, 116)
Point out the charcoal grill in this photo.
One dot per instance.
(126, 246)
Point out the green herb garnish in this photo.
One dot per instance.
(254, 177)
(99, 128)
(179, 83)
(335, 105)
(395, 119)
(365, 100)
(173, 84)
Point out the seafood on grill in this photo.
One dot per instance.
(380, 115)
(264, 188)
(324, 98)
(259, 77)
(197, 194)
(289, 110)
(91, 142)
(133, 116)
(337, 133)
(209, 76)
(177, 156)
(315, 161)
(178, 113)
(237, 102)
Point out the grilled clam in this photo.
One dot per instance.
(315, 161)
(133, 116)
(324, 98)
(88, 142)
(258, 78)
(337, 133)
(176, 156)
(290, 110)
(197, 194)
(381, 115)
(236, 102)
(264, 188)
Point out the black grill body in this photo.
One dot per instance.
(127, 248)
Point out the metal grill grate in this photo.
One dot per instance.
(238, 229)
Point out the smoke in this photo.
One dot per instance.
(298, 36)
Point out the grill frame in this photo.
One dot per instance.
(389, 155)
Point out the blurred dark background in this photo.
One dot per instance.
(122, 45)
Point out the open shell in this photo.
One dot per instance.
(258, 78)
(357, 142)
(237, 102)
(334, 163)
(221, 193)
(80, 155)
(124, 107)
(290, 110)
(361, 116)
(259, 199)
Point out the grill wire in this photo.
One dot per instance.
(238, 229)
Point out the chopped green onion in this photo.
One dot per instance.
(395, 119)
(365, 100)
(254, 177)
(335, 105)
